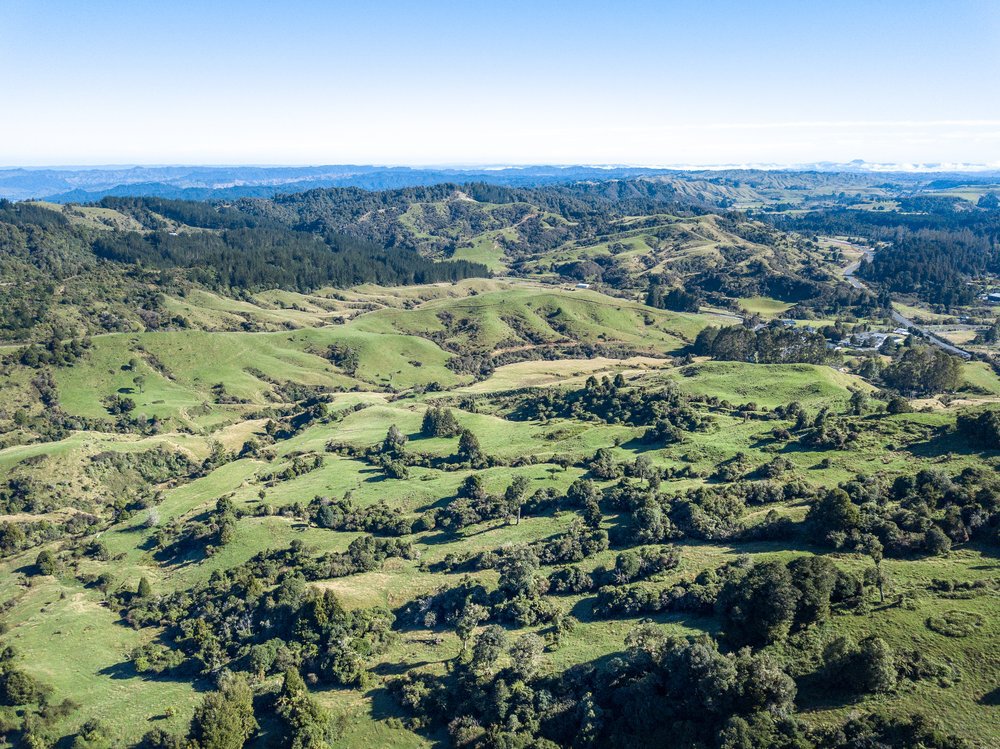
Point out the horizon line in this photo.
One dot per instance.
(902, 166)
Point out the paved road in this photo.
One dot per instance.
(901, 320)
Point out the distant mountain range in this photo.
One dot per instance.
(88, 184)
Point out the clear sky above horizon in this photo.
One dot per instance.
(300, 82)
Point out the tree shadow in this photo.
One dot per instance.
(127, 670)
(796, 447)
(816, 692)
(987, 550)
(385, 707)
(735, 547)
(639, 446)
(765, 440)
(123, 670)
(272, 730)
(448, 535)
(946, 443)
(400, 668)
(438, 504)
(991, 698)
(584, 609)
(181, 555)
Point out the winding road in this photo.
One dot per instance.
(901, 320)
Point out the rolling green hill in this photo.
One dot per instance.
(485, 511)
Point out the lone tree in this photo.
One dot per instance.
(526, 655)
(473, 487)
(225, 719)
(814, 578)
(469, 449)
(470, 618)
(490, 645)
(871, 546)
(832, 518)
(46, 562)
(309, 725)
(394, 443)
(758, 608)
(514, 497)
(140, 382)
(876, 665)
(144, 590)
(859, 402)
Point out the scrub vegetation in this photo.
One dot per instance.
(588, 465)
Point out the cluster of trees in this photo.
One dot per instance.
(666, 410)
(773, 344)
(930, 251)
(584, 210)
(659, 692)
(262, 618)
(518, 598)
(473, 504)
(344, 356)
(716, 513)
(578, 542)
(239, 249)
(267, 258)
(227, 716)
(28, 714)
(17, 688)
(175, 540)
(54, 352)
(982, 428)
(481, 365)
(39, 250)
(923, 370)
(935, 264)
(825, 430)
(757, 604)
(842, 301)
(673, 298)
(150, 212)
(630, 566)
(583, 538)
(712, 513)
(344, 515)
(395, 459)
(990, 335)
(922, 514)
(299, 466)
(17, 536)
(440, 422)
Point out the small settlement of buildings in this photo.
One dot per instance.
(786, 323)
(873, 340)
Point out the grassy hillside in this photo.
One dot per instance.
(402, 344)
(485, 512)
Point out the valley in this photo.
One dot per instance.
(491, 466)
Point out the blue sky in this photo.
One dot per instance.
(429, 82)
